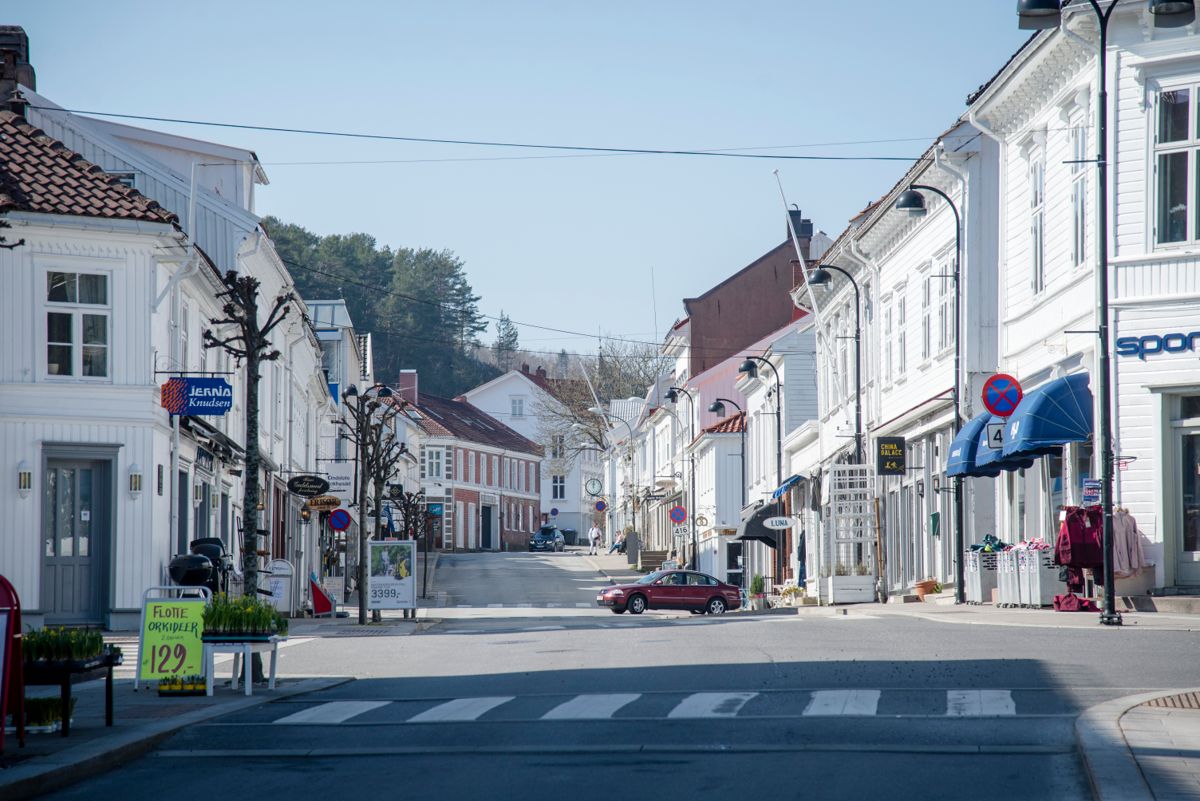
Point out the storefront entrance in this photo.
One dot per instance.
(76, 514)
(1187, 553)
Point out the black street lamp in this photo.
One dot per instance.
(717, 407)
(821, 276)
(1045, 14)
(363, 407)
(673, 396)
(750, 368)
(912, 201)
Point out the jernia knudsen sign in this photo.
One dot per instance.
(197, 396)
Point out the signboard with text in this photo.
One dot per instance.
(170, 639)
(889, 456)
(197, 396)
(391, 583)
(308, 486)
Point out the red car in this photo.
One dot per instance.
(672, 589)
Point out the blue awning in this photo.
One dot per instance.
(965, 446)
(784, 487)
(992, 461)
(1049, 417)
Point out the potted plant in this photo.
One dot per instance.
(757, 588)
(232, 619)
(929, 586)
(44, 715)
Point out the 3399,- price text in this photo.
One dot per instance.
(382, 593)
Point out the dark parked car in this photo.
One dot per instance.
(548, 538)
(672, 589)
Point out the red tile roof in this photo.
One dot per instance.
(734, 424)
(442, 417)
(39, 174)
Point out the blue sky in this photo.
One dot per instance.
(573, 242)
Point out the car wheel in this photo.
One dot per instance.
(716, 606)
(636, 605)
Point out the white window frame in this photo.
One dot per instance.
(1079, 172)
(433, 460)
(901, 333)
(518, 407)
(1191, 146)
(1037, 221)
(888, 331)
(945, 277)
(558, 488)
(927, 312)
(77, 311)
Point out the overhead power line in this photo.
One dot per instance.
(476, 142)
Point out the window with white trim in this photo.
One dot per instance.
(78, 317)
(558, 487)
(901, 334)
(1078, 194)
(888, 348)
(1176, 153)
(432, 461)
(945, 295)
(518, 407)
(557, 446)
(927, 314)
(1037, 223)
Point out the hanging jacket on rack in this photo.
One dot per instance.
(1128, 557)
(1079, 545)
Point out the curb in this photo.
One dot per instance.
(73, 765)
(1112, 769)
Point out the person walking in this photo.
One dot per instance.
(594, 537)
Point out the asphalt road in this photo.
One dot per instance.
(531, 702)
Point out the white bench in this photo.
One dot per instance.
(241, 650)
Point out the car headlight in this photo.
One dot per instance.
(615, 592)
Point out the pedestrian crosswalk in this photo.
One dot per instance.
(823, 703)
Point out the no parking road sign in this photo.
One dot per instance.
(678, 514)
(1001, 394)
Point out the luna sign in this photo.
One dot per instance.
(1151, 344)
(197, 396)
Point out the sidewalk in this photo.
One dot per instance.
(614, 567)
(1143, 746)
(987, 615)
(141, 720)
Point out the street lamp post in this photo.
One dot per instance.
(912, 201)
(673, 396)
(599, 412)
(363, 407)
(821, 276)
(717, 407)
(1045, 14)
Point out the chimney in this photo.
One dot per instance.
(406, 387)
(525, 368)
(541, 372)
(14, 67)
(803, 226)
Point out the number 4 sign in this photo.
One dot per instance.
(995, 435)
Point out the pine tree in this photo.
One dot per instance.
(506, 343)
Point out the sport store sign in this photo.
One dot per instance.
(1151, 344)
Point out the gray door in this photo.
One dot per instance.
(1187, 553)
(485, 528)
(75, 528)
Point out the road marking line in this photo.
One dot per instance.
(977, 703)
(546, 628)
(711, 705)
(591, 707)
(460, 709)
(843, 702)
(524, 606)
(495, 606)
(331, 712)
(582, 606)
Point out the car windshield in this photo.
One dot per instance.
(652, 577)
(546, 533)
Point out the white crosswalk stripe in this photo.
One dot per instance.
(843, 702)
(977, 703)
(460, 709)
(591, 707)
(332, 712)
(711, 705)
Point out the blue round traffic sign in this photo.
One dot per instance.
(339, 520)
(678, 514)
(601, 506)
(1001, 395)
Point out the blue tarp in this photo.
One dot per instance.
(992, 461)
(1049, 417)
(965, 446)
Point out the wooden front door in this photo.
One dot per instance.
(75, 535)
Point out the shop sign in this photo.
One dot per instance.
(1091, 492)
(197, 396)
(434, 509)
(308, 486)
(890, 456)
(324, 503)
(341, 481)
(391, 583)
(1151, 344)
(778, 523)
(171, 644)
(204, 459)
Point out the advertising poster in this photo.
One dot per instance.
(391, 583)
(170, 643)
